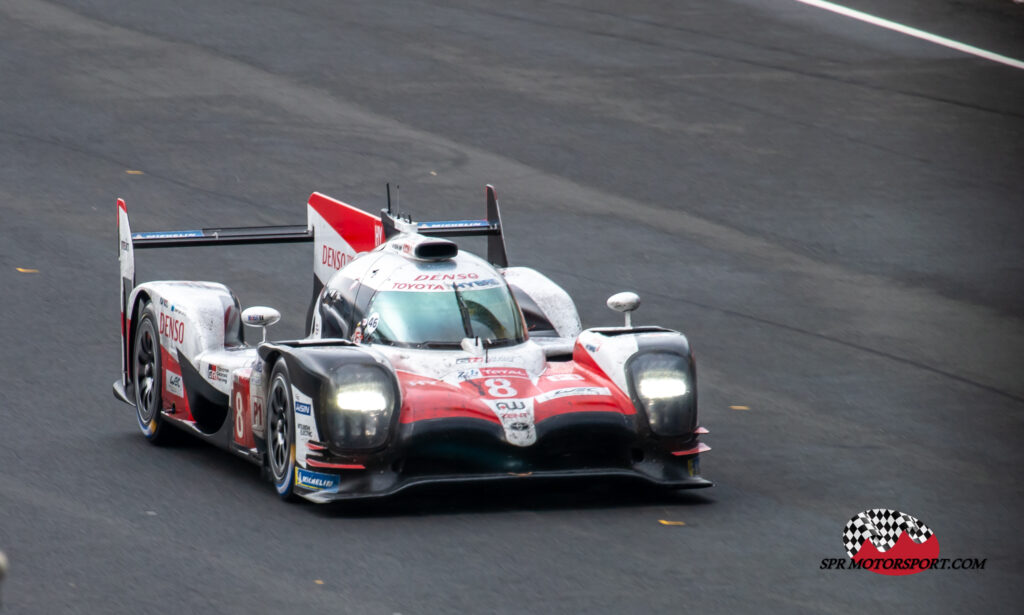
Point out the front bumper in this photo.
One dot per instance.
(467, 451)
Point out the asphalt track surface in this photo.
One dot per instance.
(832, 212)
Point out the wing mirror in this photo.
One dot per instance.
(260, 316)
(625, 302)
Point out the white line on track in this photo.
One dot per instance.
(921, 34)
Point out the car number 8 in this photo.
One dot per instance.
(499, 387)
(239, 417)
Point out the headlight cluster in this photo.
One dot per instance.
(661, 382)
(360, 401)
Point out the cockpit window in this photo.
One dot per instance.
(442, 319)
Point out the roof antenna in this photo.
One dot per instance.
(398, 201)
(388, 185)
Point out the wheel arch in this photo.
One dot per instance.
(141, 298)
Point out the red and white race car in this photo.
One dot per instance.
(423, 364)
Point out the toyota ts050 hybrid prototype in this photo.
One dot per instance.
(422, 364)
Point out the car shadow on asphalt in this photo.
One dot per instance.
(535, 495)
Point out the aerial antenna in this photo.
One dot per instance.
(398, 200)
(388, 185)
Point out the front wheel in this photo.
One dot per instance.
(281, 432)
(147, 377)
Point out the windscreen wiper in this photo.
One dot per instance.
(467, 326)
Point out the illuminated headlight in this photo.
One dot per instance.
(361, 399)
(661, 382)
(360, 403)
(662, 386)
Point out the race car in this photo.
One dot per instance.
(423, 364)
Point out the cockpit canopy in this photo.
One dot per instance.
(388, 298)
(443, 318)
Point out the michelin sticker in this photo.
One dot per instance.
(174, 384)
(315, 480)
(516, 416)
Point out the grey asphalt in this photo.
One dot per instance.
(832, 212)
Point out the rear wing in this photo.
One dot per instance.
(338, 231)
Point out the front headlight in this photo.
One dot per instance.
(360, 403)
(662, 385)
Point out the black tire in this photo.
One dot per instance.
(281, 432)
(147, 377)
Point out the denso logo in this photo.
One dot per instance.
(445, 277)
(172, 328)
(335, 259)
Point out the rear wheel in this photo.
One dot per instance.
(281, 432)
(147, 377)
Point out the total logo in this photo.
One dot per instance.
(172, 328)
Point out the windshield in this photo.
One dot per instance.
(443, 319)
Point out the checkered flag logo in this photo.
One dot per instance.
(883, 528)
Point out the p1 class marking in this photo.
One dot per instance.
(921, 34)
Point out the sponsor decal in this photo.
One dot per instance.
(257, 415)
(454, 224)
(335, 259)
(315, 480)
(463, 360)
(445, 277)
(463, 375)
(357, 337)
(303, 408)
(164, 303)
(217, 373)
(474, 373)
(419, 286)
(592, 347)
(564, 377)
(893, 543)
(172, 328)
(441, 282)
(173, 384)
(304, 431)
(572, 392)
(167, 235)
(516, 416)
(508, 372)
(477, 284)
